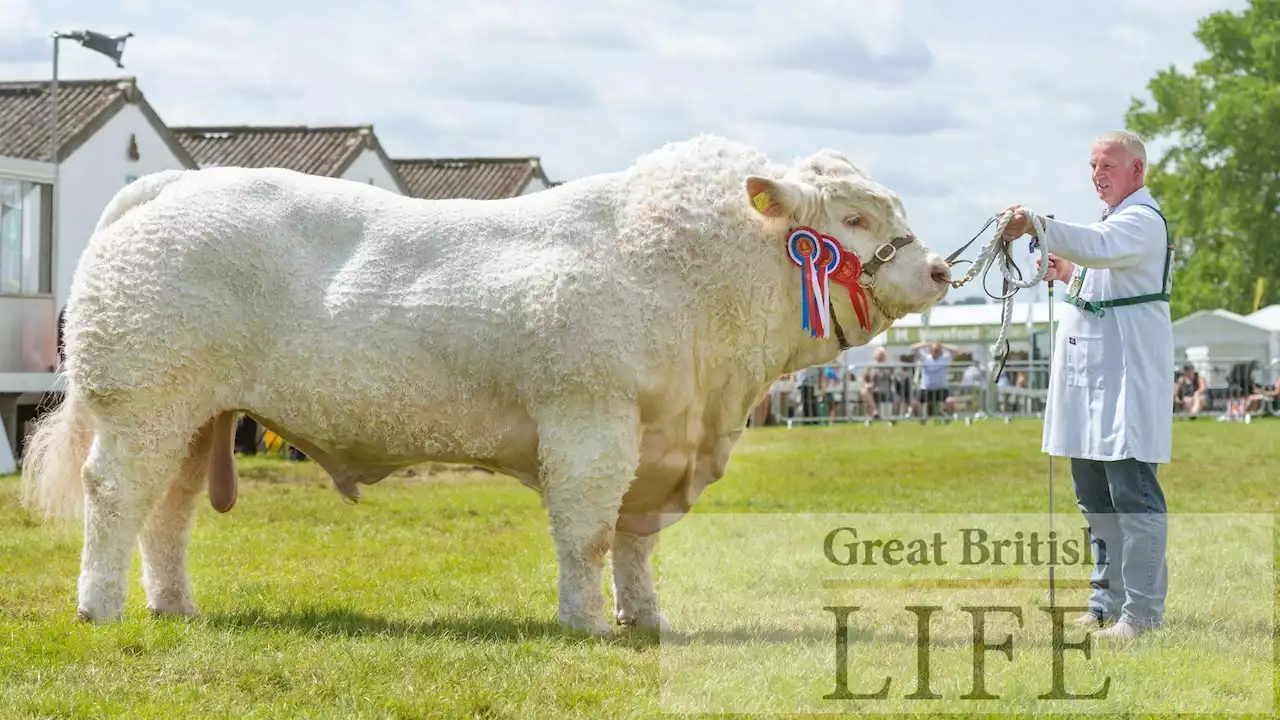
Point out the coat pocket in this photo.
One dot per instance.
(1084, 362)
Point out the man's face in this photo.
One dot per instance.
(1116, 174)
(936, 349)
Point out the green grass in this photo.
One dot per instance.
(435, 595)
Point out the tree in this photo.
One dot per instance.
(1219, 183)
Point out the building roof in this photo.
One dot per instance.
(325, 150)
(84, 106)
(490, 178)
(1268, 317)
(1218, 327)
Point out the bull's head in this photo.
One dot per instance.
(828, 193)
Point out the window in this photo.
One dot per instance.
(26, 221)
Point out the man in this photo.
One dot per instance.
(877, 383)
(1110, 403)
(935, 387)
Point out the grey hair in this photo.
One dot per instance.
(1129, 140)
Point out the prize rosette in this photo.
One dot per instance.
(822, 260)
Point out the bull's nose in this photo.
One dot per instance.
(940, 271)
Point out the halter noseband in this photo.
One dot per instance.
(883, 254)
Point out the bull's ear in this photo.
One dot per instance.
(773, 198)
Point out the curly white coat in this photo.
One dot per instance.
(602, 341)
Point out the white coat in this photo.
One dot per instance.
(1111, 386)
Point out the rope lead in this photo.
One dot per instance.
(996, 250)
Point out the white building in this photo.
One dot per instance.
(975, 328)
(108, 136)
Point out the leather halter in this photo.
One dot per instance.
(882, 255)
(885, 253)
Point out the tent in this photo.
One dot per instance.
(1269, 318)
(1215, 340)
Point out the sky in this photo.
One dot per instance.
(962, 108)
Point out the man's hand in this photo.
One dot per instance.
(1060, 270)
(1020, 224)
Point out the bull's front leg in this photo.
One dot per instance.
(635, 598)
(588, 459)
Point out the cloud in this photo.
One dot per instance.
(962, 108)
(846, 114)
(20, 37)
(17, 18)
(848, 58)
(27, 49)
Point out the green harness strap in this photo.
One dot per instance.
(1097, 308)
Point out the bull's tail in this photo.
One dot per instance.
(138, 192)
(54, 456)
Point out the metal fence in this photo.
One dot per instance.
(1228, 390)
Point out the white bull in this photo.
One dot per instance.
(602, 341)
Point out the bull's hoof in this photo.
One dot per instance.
(182, 610)
(595, 627)
(643, 621)
(88, 616)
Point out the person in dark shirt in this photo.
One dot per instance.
(1189, 390)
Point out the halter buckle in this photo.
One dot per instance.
(893, 251)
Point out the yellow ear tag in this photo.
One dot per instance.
(762, 201)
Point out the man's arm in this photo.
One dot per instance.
(1120, 242)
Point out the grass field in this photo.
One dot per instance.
(435, 596)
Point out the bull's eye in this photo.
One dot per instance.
(853, 221)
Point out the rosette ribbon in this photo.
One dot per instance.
(822, 261)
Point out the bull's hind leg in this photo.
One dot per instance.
(167, 532)
(588, 460)
(635, 598)
(123, 478)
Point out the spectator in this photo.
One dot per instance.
(786, 386)
(1007, 401)
(832, 386)
(877, 383)
(935, 386)
(809, 378)
(1189, 390)
(902, 392)
(969, 384)
(1260, 395)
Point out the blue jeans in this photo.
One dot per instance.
(1125, 508)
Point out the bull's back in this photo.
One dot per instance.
(199, 276)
